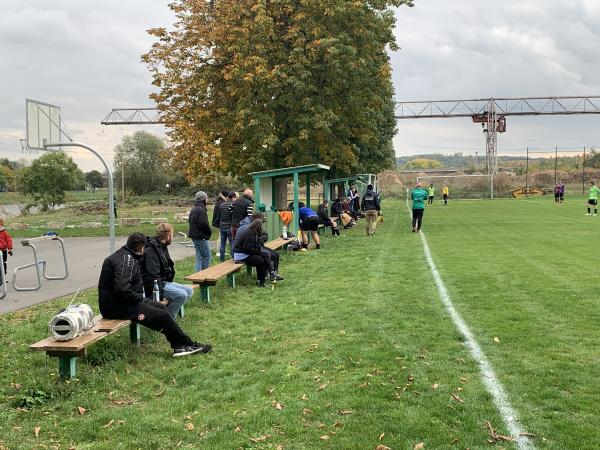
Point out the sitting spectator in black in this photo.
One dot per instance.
(336, 208)
(247, 249)
(157, 266)
(271, 256)
(323, 213)
(120, 296)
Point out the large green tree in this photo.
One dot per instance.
(140, 161)
(48, 177)
(94, 179)
(254, 84)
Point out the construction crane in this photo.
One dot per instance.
(492, 113)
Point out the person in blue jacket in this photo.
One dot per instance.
(309, 221)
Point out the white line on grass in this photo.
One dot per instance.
(490, 380)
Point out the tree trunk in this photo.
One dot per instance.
(281, 190)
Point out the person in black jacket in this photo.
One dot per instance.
(247, 249)
(225, 216)
(158, 266)
(370, 205)
(120, 296)
(243, 207)
(200, 231)
(323, 213)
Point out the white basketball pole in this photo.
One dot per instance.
(111, 199)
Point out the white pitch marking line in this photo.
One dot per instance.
(488, 376)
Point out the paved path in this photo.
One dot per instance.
(84, 259)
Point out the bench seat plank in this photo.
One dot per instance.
(214, 273)
(101, 329)
(278, 243)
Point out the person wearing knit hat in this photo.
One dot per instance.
(200, 231)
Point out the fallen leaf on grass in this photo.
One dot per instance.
(189, 426)
(435, 386)
(382, 447)
(364, 385)
(321, 425)
(419, 446)
(17, 386)
(454, 441)
(36, 431)
(342, 333)
(345, 412)
(304, 397)
(237, 429)
(110, 422)
(495, 436)
(338, 425)
(270, 391)
(324, 437)
(527, 434)
(457, 398)
(496, 339)
(381, 436)
(279, 447)
(312, 348)
(322, 386)
(81, 410)
(306, 411)
(260, 438)
(277, 405)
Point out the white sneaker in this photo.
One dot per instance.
(587, 214)
(595, 214)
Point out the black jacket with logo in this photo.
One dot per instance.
(370, 201)
(156, 265)
(198, 222)
(120, 286)
(242, 207)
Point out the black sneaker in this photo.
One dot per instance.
(276, 277)
(260, 285)
(191, 349)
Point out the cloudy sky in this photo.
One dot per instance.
(85, 57)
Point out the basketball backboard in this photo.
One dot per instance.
(44, 125)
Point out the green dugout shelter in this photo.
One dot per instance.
(361, 181)
(265, 194)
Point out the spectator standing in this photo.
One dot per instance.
(370, 205)
(200, 231)
(225, 217)
(120, 296)
(158, 266)
(418, 196)
(222, 197)
(6, 246)
(243, 207)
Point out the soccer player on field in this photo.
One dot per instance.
(430, 194)
(445, 193)
(593, 199)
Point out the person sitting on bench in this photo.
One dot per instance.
(120, 297)
(247, 249)
(323, 213)
(157, 265)
(271, 256)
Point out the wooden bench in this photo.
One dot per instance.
(67, 352)
(208, 277)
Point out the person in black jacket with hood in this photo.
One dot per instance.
(242, 208)
(247, 249)
(370, 205)
(120, 296)
(158, 266)
(200, 231)
(323, 213)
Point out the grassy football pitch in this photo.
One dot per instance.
(354, 350)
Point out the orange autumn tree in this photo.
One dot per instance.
(249, 85)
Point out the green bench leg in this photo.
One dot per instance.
(205, 291)
(249, 270)
(135, 333)
(231, 280)
(181, 312)
(67, 367)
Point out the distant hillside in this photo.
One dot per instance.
(455, 161)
